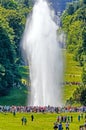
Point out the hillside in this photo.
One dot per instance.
(72, 76)
(74, 25)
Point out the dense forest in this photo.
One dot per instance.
(74, 26)
(13, 14)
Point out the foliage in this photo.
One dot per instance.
(83, 97)
(70, 9)
(77, 93)
(11, 4)
(75, 37)
(74, 25)
(7, 55)
(12, 23)
(84, 1)
(84, 75)
(18, 96)
(16, 23)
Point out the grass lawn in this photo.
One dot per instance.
(72, 69)
(68, 91)
(41, 121)
(72, 74)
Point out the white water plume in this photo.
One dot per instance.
(40, 43)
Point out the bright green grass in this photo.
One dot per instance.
(41, 121)
(72, 74)
(68, 91)
(72, 69)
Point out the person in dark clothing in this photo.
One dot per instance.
(14, 113)
(25, 120)
(60, 126)
(32, 117)
(22, 120)
(55, 125)
(71, 118)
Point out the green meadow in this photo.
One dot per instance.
(72, 73)
(41, 121)
(72, 68)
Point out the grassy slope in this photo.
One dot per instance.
(72, 74)
(41, 121)
(72, 68)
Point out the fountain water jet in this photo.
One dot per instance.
(41, 47)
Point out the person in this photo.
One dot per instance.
(60, 126)
(85, 125)
(67, 126)
(22, 119)
(81, 128)
(71, 118)
(79, 118)
(14, 113)
(55, 126)
(32, 117)
(25, 120)
(68, 118)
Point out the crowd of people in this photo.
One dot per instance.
(62, 119)
(67, 120)
(73, 83)
(41, 109)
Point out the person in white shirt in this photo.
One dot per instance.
(67, 126)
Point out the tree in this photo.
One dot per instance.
(12, 22)
(11, 4)
(9, 69)
(77, 93)
(70, 9)
(84, 75)
(7, 55)
(74, 26)
(84, 39)
(84, 1)
(83, 97)
(16, 22)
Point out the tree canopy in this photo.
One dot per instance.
(12, 23)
